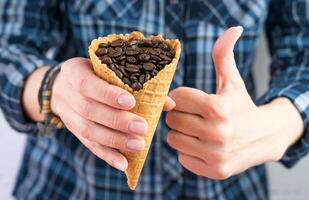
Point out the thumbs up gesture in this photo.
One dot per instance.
(223, 134)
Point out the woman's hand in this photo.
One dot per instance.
(223, 134)
(97, 112)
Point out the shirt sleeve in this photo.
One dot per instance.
(287, 30)
(28, 30)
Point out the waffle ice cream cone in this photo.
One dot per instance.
(149, 100)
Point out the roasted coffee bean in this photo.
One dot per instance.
(163, 63)
(134, 77)
(101, 51)
(117, 43)
(143, 57)
(142, 79)
(116, 65)
(156, 43)
(145, 43)
(136, 86)
(154, 52)
(123, 71)
(164, 57)
(154, 72)
(147, 77)
(113, 66)
(153, 61)
(127, 81)
(159, 67)
(164, 46)
(114, 60)
(132, 68)
(103, 45)
(170, 54)
(113, 53)
(149, 66)
(121, 58)
(118, 73)
(144, 50)
(135, 61)
(132, 51)
(160, 51)
(106, 60)
(131, 59)
(155, 57)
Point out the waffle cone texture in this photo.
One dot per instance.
(149, 100)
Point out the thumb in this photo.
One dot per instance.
(227, 74)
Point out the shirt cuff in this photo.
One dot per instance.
(11, 90)
(298, 94)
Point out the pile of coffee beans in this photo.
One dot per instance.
(135, 61)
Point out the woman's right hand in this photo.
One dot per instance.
(97, 112)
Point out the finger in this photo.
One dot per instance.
(194, 147)
(189, 100)
(194, 125)
(193, 164)
(120, 120)
(98, 133)
(226, 70)
(109, 155)
(169, 104)
(80, 75)
(200, 168)
(189, 145)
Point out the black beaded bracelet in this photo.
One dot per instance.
(51, 121)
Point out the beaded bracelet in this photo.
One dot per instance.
(51, 121)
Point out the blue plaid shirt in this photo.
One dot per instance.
(35, 33)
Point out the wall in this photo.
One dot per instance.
(285, 184)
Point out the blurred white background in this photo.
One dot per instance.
(284, 184)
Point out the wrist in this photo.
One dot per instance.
(52, 99)
(282, 124)
(30, 100)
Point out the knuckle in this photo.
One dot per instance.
(82, 84)
(114, 142)
(85, 109)
(105, 94)
(223, 171)
(224, 135)
(85, 131)
(221, 157)
(115, 121)
(219, 108)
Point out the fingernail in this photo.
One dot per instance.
(125, 100)
(118, 165)
(241, 28)
(138, 127)
(136, 144)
